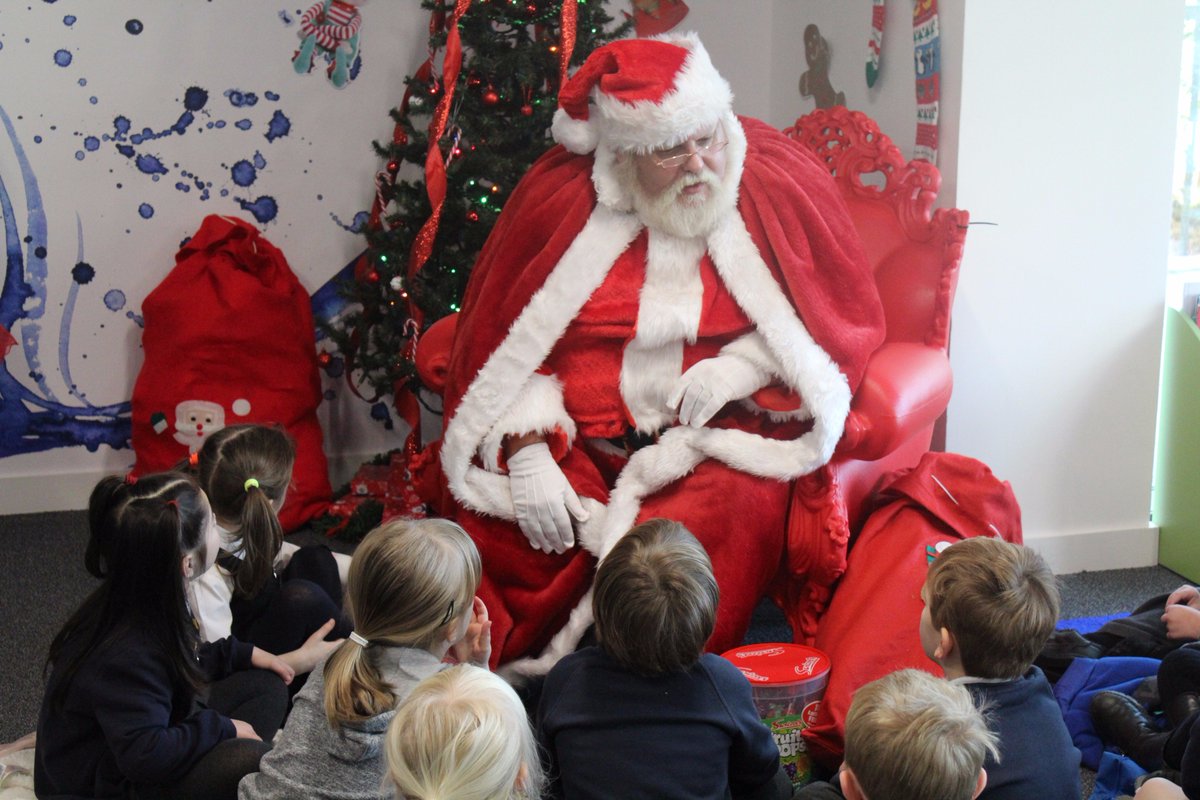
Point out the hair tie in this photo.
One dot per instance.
(130, 479)
(194, 459)
(250, 482)
(359, 640)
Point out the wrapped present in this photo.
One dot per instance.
(371, 480)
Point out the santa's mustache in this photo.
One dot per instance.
(706, 177)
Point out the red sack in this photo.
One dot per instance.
(871, 626)
(228, 339)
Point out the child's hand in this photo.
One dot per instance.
(244, 731)
(1187, 595)
(476, 646)
(313, 651)
(1183, 622)
(264, 660)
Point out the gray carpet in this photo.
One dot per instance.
(43, 580)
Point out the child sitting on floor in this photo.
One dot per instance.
(412, 597)
(462, 734)
(262, 589)
(989, 607)
(911, 735)
(120, 716)
(646, 713)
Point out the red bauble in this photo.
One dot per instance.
(324, 358)
(373, 276)
(393, 167)
(401, 138)
(527, 109)
(490, 97)
(473, 216)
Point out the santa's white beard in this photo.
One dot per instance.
(676, 213)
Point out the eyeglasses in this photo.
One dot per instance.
(449, 613)
(705, 146)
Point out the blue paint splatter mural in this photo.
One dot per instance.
(135, 145)
(129, 168)
(33, 419)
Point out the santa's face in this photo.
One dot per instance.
(674, 169)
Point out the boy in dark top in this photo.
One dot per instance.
(989, 607)
(646, 713)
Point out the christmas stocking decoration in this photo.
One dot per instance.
(875, 46)
(927, 58)
(927, 61)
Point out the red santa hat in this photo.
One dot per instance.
(641, 94)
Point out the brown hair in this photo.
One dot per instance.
(999, 601)
(409, 580)
(655, 599)
(244, 469)
(910, 734)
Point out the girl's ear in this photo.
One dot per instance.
(522, 777)
(186, 566)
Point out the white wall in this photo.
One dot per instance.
(1066, 143)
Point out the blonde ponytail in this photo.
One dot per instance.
(409, 579)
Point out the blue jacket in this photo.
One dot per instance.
(1084, 678)
(1037, 757)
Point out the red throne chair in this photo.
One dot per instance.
(914, 252)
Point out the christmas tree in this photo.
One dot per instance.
(490, 109)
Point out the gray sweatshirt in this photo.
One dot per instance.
(313, 760)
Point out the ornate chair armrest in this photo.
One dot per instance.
(433, 353)
(906, 387)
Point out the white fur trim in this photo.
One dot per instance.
(577, 135)
(753, 348)
(581, 270)
(668, 315)
(802, 363)
(700, 99)
(537, 408)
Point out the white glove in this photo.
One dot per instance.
(543, 499)
(704, 389)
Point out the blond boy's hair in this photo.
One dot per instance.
(655, 599)
(910, 734)
(462, 734)
(1000, 602)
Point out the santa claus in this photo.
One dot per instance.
(668, 320)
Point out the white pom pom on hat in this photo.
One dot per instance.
(641, 94)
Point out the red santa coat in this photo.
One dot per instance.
(784, 283)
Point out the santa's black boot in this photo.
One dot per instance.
(1120, 720)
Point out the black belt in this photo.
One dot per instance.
(633, 440)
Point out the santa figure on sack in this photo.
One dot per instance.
(668, 320)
